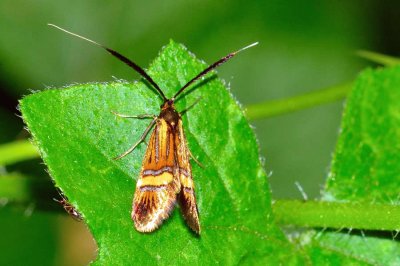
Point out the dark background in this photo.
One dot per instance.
(304, 46)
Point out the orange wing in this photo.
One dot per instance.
(186, 197)
(158, 183)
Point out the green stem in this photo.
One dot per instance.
(277, 107)
(379, 58)
(16, 151)
(15, 187)
(363, 216)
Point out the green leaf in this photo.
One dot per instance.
(366, 163)
(78, 135)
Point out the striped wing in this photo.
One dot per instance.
(158, 183)
(186, 197)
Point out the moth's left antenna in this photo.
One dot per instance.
(124, 59)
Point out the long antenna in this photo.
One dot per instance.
(211, 67)
(130, 63)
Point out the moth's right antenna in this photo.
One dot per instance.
(212, 67)
(130, 63)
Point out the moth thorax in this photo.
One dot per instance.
(169, 114)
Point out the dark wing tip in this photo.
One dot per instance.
(148, 216)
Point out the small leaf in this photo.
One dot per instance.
(366, 163)
(78, 136)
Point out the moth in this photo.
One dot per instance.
(166, 174)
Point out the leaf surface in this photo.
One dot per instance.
(366, 163)
(78, 136)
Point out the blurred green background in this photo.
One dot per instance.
(304, 46)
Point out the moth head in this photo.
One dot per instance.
(168, 104)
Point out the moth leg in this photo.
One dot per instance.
(194, 159)
(192, 105)
(134, 116)
(142, 138)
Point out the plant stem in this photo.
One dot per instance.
(277, 107)
(15, 187)
(379, 58)
(16, 151)
(323, 214)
